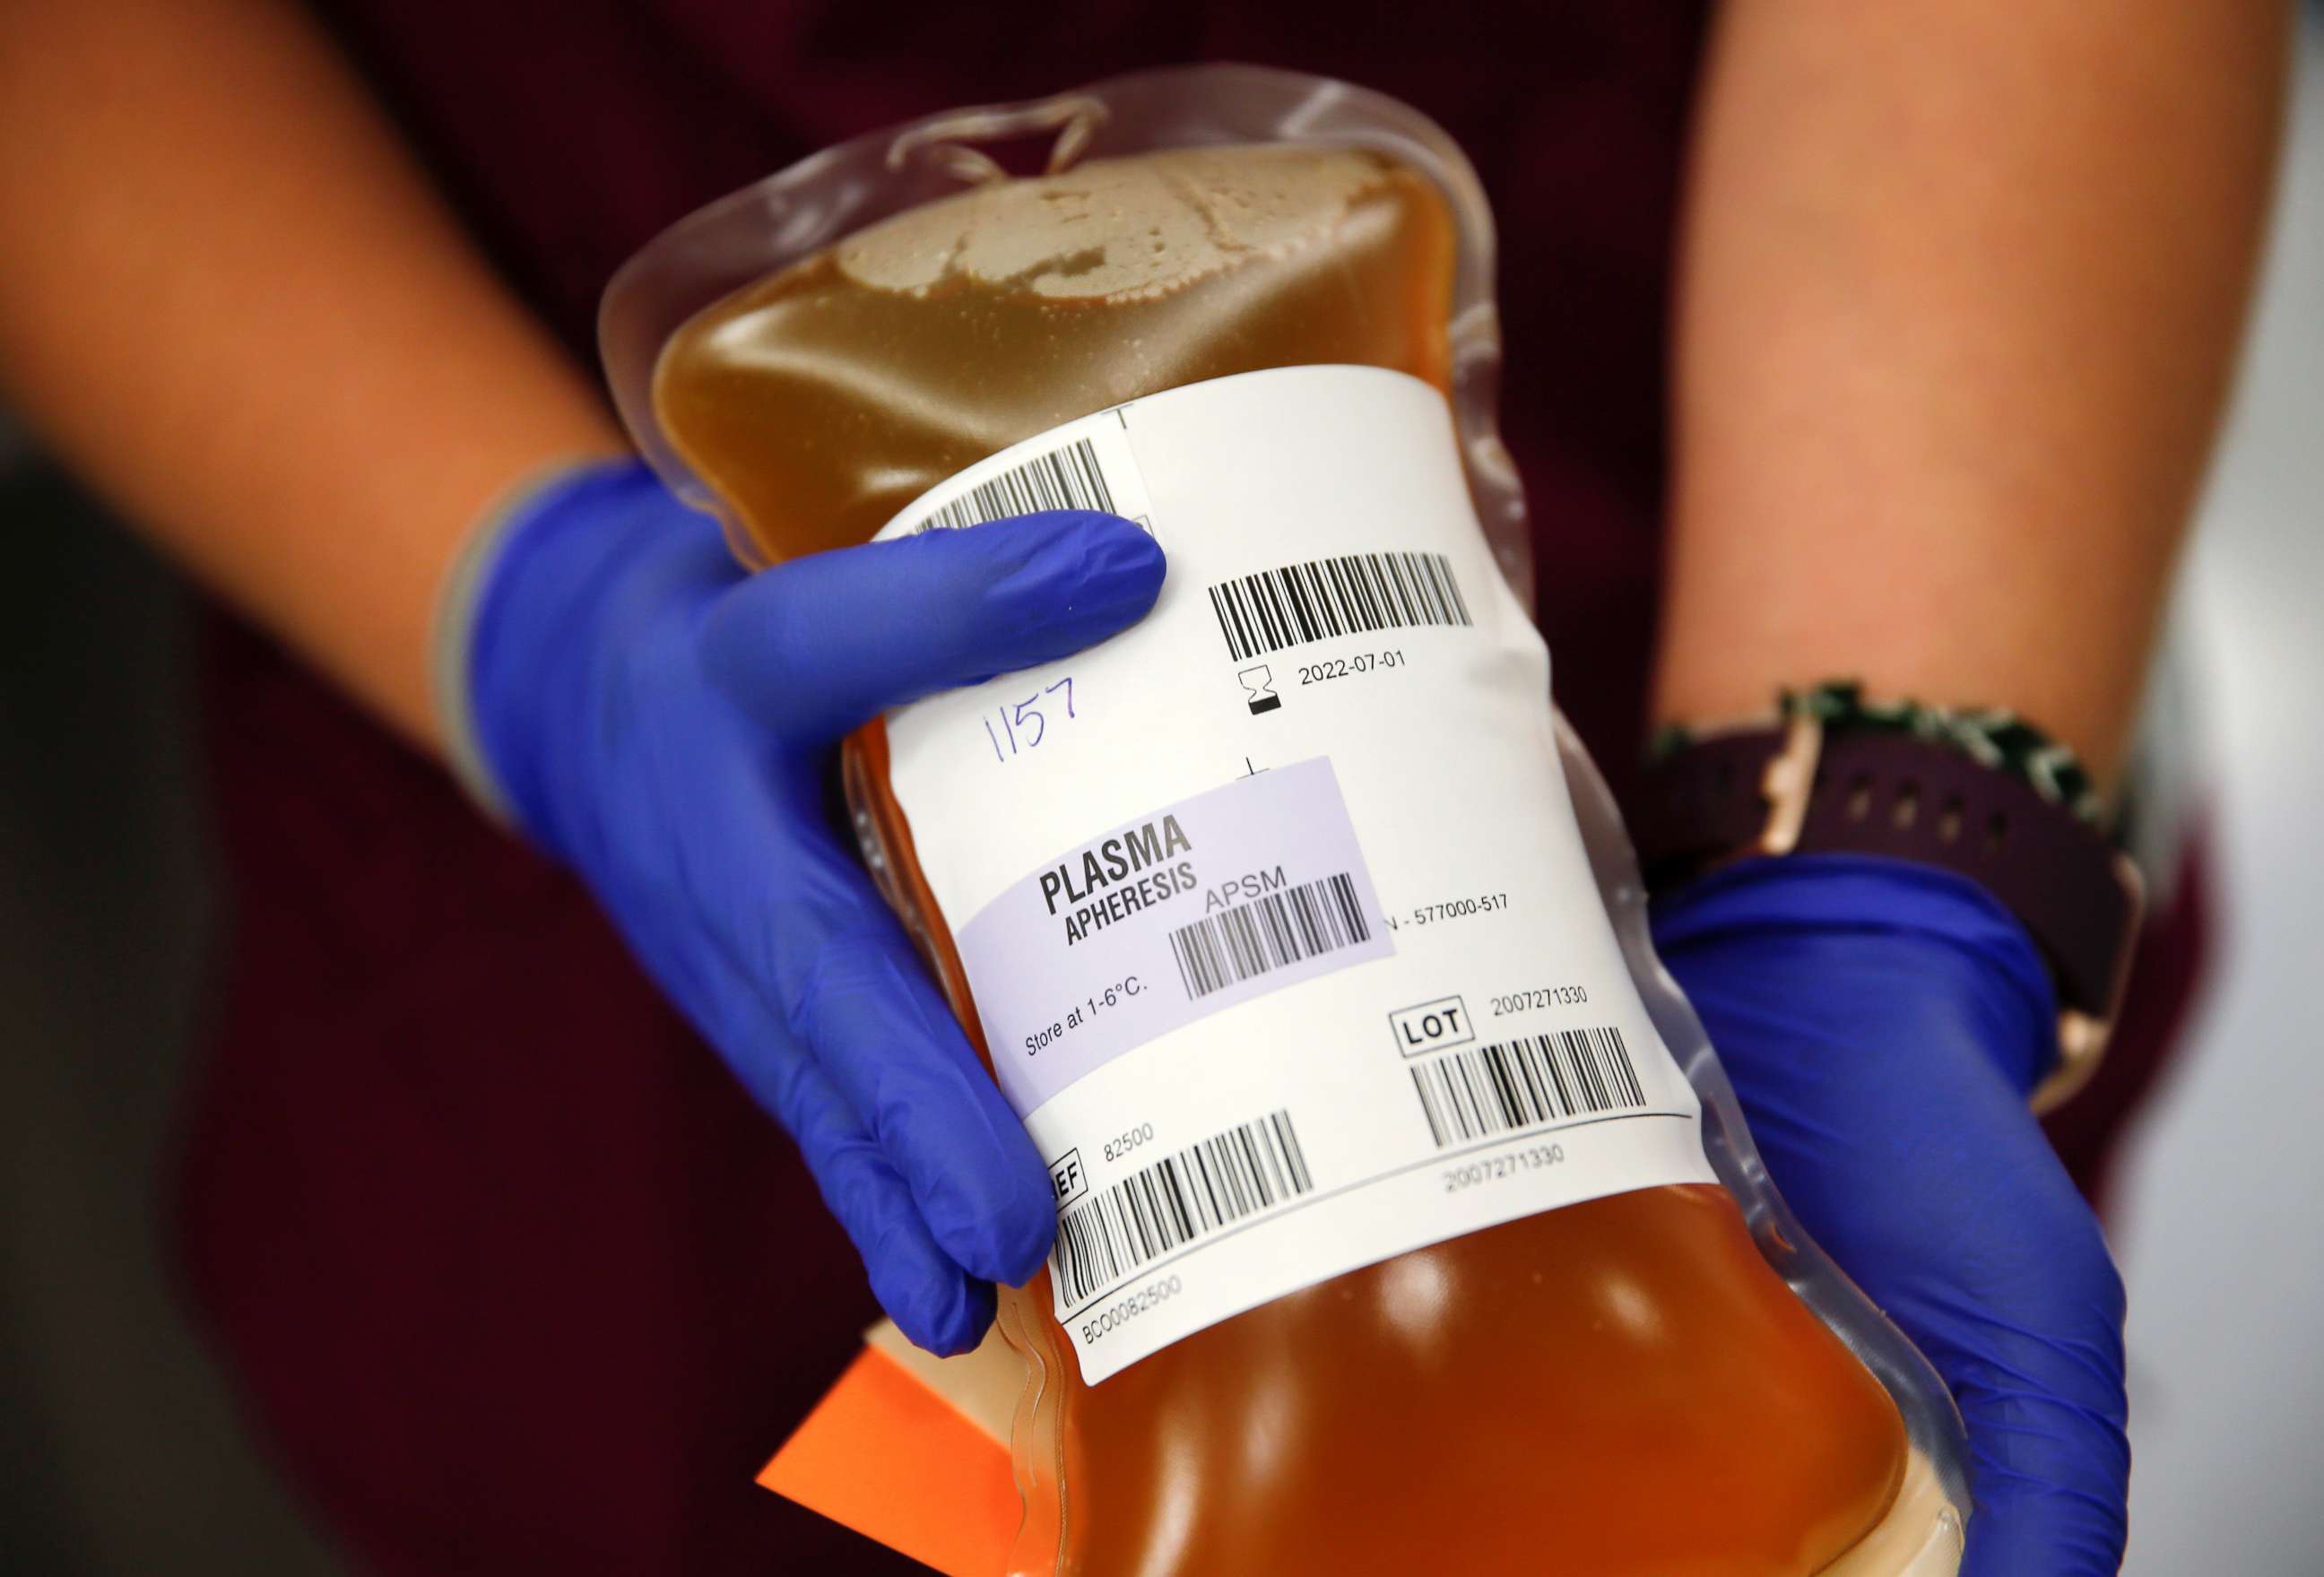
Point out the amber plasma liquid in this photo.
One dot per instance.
(1619, 1386)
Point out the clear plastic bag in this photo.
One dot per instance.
(1070, 1450)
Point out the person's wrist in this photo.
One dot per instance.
(515, 628)
(1836, 912)
(452, 643)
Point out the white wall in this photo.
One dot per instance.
(2221, 1224)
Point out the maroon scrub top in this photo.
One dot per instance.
(513, 1275)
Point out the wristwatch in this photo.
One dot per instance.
(1797, 786)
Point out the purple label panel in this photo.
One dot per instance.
(1251, 887)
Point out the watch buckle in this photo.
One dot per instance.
(2082, 1036)
(1788, 784)
(2081, 1046)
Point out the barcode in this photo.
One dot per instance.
(1354, 593)
(1177, 1200)
(1268, 932)
(1064, 478)
(1517, 1084)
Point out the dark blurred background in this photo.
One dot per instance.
(119, 1447)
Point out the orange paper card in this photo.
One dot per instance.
(885, 1453)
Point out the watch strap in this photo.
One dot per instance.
(1795, 786)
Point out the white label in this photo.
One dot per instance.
(1273, 907)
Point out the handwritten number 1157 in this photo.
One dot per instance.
(1028, 715)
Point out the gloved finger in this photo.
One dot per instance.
(860, 999)
(1985, 1258)
(788, 953)
(940, 1307)
(1881, 1026)
(814, 647)
(2037, 1372)
(931, 1297)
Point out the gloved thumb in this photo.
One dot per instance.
(814, 647)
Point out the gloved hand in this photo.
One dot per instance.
(1883, 1024)
(664, 724)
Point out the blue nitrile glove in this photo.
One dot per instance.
(665, 723)
(1883, 1023)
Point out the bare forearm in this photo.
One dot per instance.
(226, 297)
(1961, 287)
